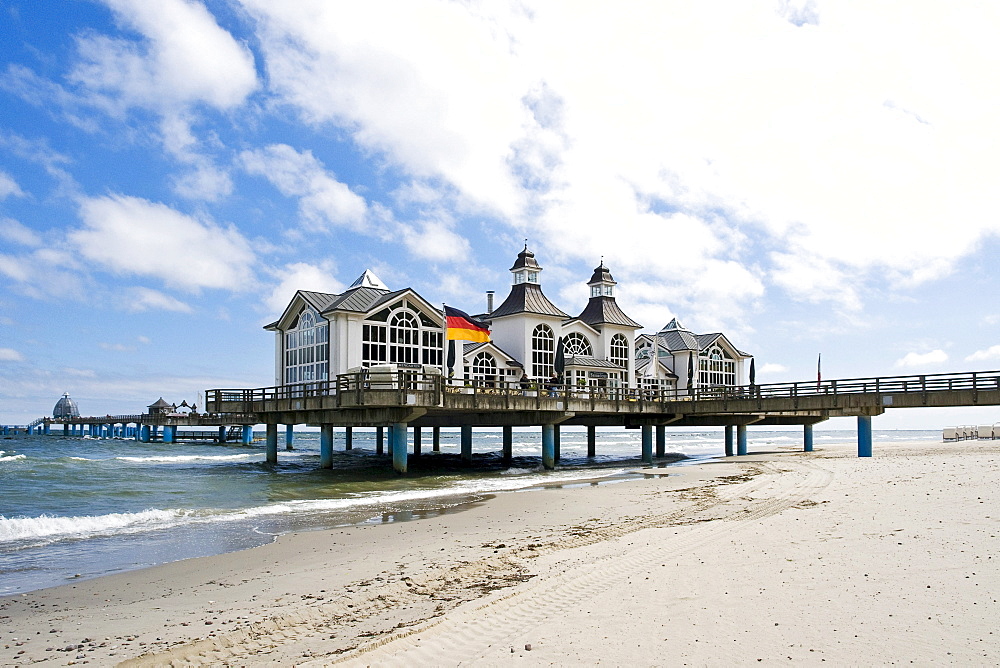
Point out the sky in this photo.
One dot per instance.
(807, 177)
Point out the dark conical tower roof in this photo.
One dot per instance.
(66, 408)
(525, 260)
(601, 275)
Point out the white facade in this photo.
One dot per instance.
(322, 335)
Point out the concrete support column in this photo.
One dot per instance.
(169, 433)
(247, 434)
(65, 430)
(741, 439)
(222, 434)
(416, 441)
(326, 446)
(379, 441)
(144, 435)
(399, 447)
(647, 444)
(436, 439)
(466, 443)
(864, 436)
(156, 431)
(591, 441)
(348, 438)
(549, 446)
(290, 436)
(557, 442)
(729, 440)
(807, 438)
(271, 442)
(661, 440)
(508, 444)
(47, 430)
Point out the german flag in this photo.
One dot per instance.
(463, 327)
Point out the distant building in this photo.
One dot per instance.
(66, 408)
(160, 407)
(670, 358)
(321, 335)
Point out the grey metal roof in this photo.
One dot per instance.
(525, 260)
(360, 300)
(602, 275)
(605, 311)
(159, 403)
(678, 339)
(526, 298)
(368, 280)
(65, 408)
(319, 300)
(472, 347)
(641, 366)
(584, 360)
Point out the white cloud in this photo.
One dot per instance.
(772, 369)
(133, 236)
(991, 353)
(301, 276)
(10, 355)
(203, 182)
(145, 299)
(186, 58)
(116, 347)
(323, 200)
(15, 232)
(9, 187)
(923, 359)
(849, 158)
(435, 240)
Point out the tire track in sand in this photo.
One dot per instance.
(473, 631)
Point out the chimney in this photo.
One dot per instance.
(489, 302)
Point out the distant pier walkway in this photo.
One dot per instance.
(405, 399)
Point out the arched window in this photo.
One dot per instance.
(307, 349)
(543, 352)
(404, 338)
(401, 334)
(716, 367)
(577, 344)
(484, 367)
(619, 350)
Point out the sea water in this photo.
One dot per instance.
(74, 507)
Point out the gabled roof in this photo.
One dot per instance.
(706, 340)
(472, 347)
(526, 298)
(643, 365)
(678, 339)
(586, 326)
(605, 311)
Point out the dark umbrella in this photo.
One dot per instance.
(690, 371)
(753, 376)
(451, 358)
(560, 363)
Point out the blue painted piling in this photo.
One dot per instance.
(144, 434)
(290, 436)
(169, 433)
(326, 446)
(729, 440)
(807, 438)
(222, 434)
(741, 439)
(247, 434)
(864, 436)
(399, 447)
(348, 438)
(549, 446)
(661, 440)
(466, 443)
(647, 444)
(271, 442)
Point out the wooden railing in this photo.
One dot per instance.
(391, 388)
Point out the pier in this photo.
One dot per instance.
(404, 400)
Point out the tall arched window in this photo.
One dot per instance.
(577, 344)
(716, 368)
(307, 349)
(619, 350)
(484, 367)
(543, 352)
(404, 338)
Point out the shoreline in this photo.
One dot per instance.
(664, 569)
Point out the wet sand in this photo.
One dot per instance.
(771, 558)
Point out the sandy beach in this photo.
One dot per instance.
(774, 558)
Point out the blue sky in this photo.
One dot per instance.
(805, 176)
